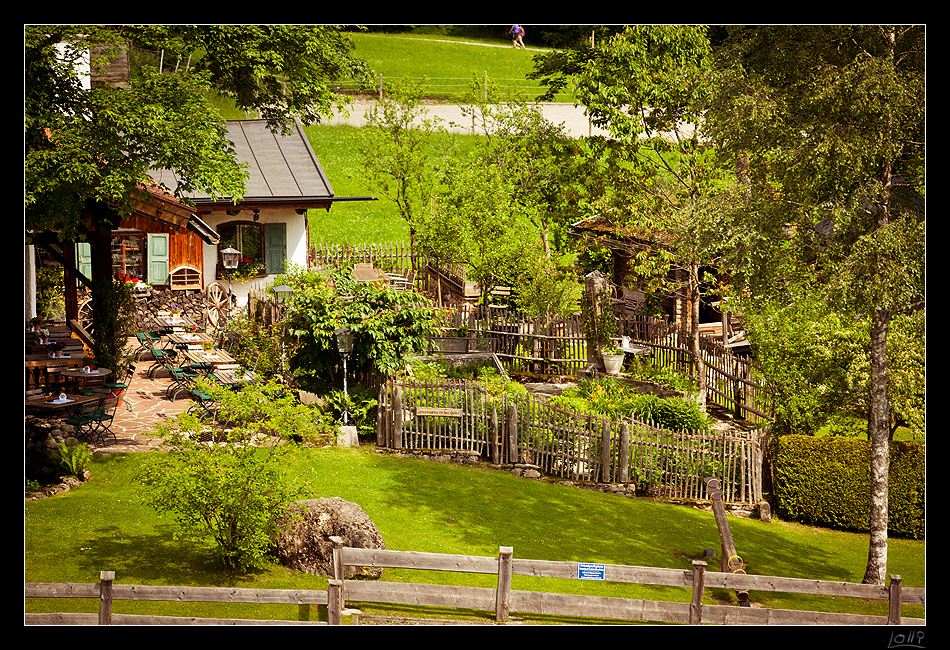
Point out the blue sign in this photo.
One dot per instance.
(588, 571)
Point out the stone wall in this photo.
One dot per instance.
(42, 436)
(193, 304)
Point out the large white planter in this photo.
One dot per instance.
(613, 363)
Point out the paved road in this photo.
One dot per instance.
(573, 118)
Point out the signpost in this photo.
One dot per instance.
(590, 571)
(445, 413)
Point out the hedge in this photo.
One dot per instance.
(827, 482)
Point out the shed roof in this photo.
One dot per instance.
(283, 171)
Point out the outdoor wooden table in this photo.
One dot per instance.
(55, 408)
(197, 339)
(77, 373)
(234, 378)
(637, 350)
(214, 357)
(369, 275)
(176, 323)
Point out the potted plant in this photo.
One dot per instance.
(35, 321)
(57, 348)
(613, 359)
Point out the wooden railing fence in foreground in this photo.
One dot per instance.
(502, 600)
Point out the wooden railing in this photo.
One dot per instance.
(502, 600)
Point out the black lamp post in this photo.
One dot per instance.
(230, 258)
(344, 343)
(282, 294)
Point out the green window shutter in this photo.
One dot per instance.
(275, 246)
(84, 260)
(158, 259)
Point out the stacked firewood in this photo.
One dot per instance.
(192, 303)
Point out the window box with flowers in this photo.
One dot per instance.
(248, 268)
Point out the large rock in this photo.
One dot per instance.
(305, 543)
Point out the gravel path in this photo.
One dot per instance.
(573, 118)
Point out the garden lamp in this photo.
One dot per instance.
(344, 343)
(230, 259)
(282, 294)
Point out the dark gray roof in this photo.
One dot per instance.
(281, 169)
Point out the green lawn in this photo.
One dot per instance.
(450, 63)
(425, 506)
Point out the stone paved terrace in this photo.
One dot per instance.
(149, 407)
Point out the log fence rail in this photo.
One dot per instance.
(502, 600)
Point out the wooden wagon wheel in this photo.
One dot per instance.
(219, 304)
(85, 314)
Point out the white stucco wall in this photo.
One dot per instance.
(296, 232)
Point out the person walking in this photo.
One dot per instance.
(516, 31)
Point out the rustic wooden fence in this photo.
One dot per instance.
(730, 380)
(462, 416)
(447, 287)
(558, 346)
(502, 600)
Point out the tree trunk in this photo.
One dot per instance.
(879, 430)
(695, 350)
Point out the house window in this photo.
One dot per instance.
(128, 256)
(247, 238)
(263, 247)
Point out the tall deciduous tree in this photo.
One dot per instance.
(536, 155)
(88, 146)
(400, 150)
(474, 223)
(829, 121)
(657, 180)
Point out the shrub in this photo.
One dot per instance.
(827, 482)
(217, 481)
(72, 456)
(612, 397)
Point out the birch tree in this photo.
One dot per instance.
(830, 123)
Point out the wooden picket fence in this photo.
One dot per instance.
(462, 416)
(445, 286)
(730, 380)
(502, 600)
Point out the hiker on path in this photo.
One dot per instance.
(516, 31)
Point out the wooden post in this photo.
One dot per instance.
(894, 605)
(494, 435)
(699, 584)
(338, 567)
(397, 419)
(105, 597)
(503, 593)
(624, 453)
(513, 434)
(731, 562)
(335, 602)
(382, 418)
(605, 453)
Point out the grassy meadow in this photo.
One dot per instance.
(425, 506)
(449, 63)
(432, 507)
